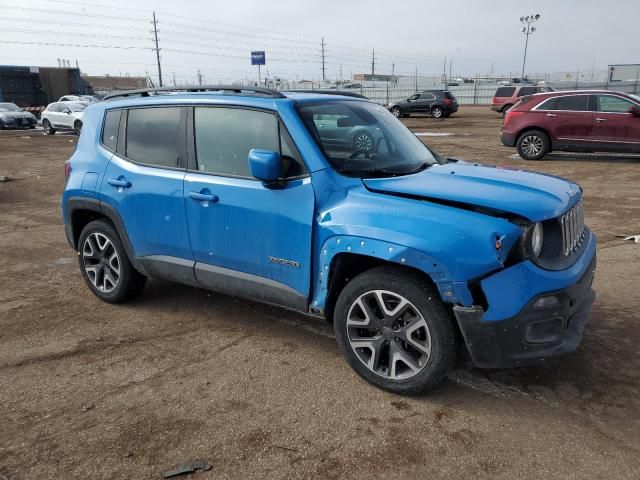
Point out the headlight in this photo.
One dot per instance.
(537, 235)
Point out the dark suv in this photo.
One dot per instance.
(437, 103)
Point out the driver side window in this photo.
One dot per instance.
(611, 104)
(414, 97)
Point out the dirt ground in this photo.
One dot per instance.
(91, 390)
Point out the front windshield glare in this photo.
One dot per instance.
(364, 139)
(9, 107)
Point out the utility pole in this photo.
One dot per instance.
(323, 59)
(174, 79)
(393, 76)
(416, 78)
(340, 72)
(450, 69)
(199, 77)
(527, 29)
(157, 49)
(373, 63)
(444, 73)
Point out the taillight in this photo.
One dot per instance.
(510, 114)
(447, 101)
(67, 169)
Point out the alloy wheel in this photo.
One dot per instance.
(363, 142)
(388, 334)
(532, 145)
(101, 262)
(396, 112)
(47, 126)
(437, 112)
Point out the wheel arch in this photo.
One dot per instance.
(530, 128)
(81, 211)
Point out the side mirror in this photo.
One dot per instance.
(635, 111)
(264, 165)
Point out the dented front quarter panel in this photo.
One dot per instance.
(451, 245)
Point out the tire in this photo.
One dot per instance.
(363, 141)
(48, 129)
(505, 109)
(437, 112)
(533, 145)
(77, 127)
(396, 112)
(111, 279)
(420, 363)
(2, 127)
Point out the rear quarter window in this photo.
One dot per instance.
(505, 92)
(110, 129)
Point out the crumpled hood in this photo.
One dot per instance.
(534, 196)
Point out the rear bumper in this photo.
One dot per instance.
(538, 330)
(508, 139)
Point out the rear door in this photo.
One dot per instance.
(568, 119)
(249, 239)
(614, 127)
(143, 185)
(424, 103)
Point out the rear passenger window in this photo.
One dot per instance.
(110, 129)
(527, 91)
(505, 92)
(153, 136)
(578, 103)
(224, 137)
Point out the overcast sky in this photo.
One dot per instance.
(217, 36)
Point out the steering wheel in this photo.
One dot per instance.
(357, 153)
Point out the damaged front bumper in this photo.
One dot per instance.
(550, 322)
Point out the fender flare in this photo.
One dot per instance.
(105, 210)
(387, 251)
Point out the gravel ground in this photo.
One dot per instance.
(91, 390)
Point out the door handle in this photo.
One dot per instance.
(601, 119)
(552, 115)
(203, 197)
(119, 182)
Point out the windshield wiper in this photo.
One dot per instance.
(385, 172)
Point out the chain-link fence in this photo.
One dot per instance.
(475, 93)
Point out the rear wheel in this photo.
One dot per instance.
(48, 129)
(77, 127)
(533, 145)
(394, 330)
(104, 264)
(437, 112)
(362, 141)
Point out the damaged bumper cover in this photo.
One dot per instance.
(550, 323)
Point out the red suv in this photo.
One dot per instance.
(574, 121)
(507, 97)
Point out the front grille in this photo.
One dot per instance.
(572, 225)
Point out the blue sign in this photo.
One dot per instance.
(257, 58)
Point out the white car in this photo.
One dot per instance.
(79, 98)
(63, 116)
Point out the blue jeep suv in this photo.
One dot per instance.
(412, 256)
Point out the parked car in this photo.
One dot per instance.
(12, 116)
(574, 121)
(79, 98)
(507, 97)
(437, 103)
(63, 116)
(406, 252)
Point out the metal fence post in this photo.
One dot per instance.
(388, 91)
(475, 91)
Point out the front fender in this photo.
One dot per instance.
(451, 245)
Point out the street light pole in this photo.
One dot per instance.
(527, 29)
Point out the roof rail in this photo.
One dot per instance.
(324, 91)
(238, 89)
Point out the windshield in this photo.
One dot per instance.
(9, 107)
(635, 97)
(364, 139)
(77, 106)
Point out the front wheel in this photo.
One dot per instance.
(363, 142)
(394, 330)
(77, 127)
(533, 145)
(104, 264)
(396, 112)
(437, 112)
(48, 129)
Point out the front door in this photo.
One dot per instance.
(143, 184)
(614, 127)
(248, 239)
